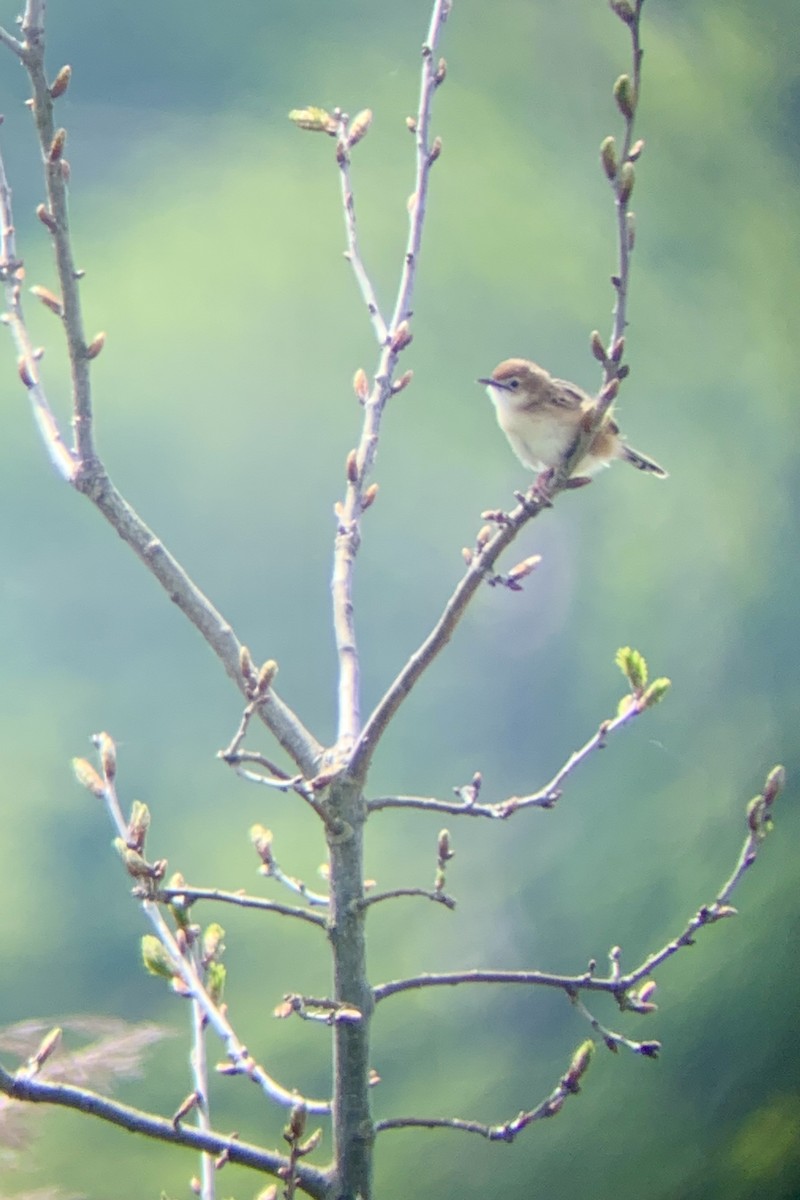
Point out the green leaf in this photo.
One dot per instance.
(656, 692)
(155, 957)
(316, 120)
(215, 981)
(633, 667)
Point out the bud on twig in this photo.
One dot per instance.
(625, 96)
(108, 754)
(351, 467)
(48, 299)
(266, 674)
(24, 373)
(315, 120)
(57, 145)
(627, 178)
(608, 157)
(368, 499)
(87, 777)
(61, 82)
(46, 217)
(598, 349)
(361, 385)
(47, 1047)
(441, 72)
(624, 11)
(635, 151)
(402, 337)
(402, 382)
(246, 665)
(411, 124)
(359, 127)
(95, 345)
(436, 150)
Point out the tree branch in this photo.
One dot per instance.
(759, 817)
(393, 340)
(39, 1091)
(79, 465)
(546, 797)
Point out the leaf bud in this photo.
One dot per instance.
(138, 825)
(315, 120)
(608, 392)
(441, 72)
(608, 157)
(297, 1123)
(48, 299)
(25, 373)
(411, 124)
(352, 467)
(656, 692)
(436, 150)
(361, 385)
(359, 127)
(579, 1065)
(310, 1144)
(400, 384)
(368, 499)
(215, 981)
(95, 345)
(46, 217)
(624, 11)
(61, 82)
(266, 674)
(625, 96)
(402, 337)
(774, 785)
(261, 839)
(598, 349)
(627, 178)
(87, 777)
(57, 146)
(246, 666)
(47, 1047)
(633, 667)
(635, 151)
(213, 944)
(108, 754)
(155, 957)
(525, 567)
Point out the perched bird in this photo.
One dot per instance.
(541, 417)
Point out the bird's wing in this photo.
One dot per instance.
(567, 394)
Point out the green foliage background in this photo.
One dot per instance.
(211, 233)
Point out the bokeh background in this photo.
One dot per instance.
(211, 233)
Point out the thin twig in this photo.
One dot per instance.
(426, 893)
(81, 466)
(214, 1014)
(616, 983)
(190, 894)
(199, 1065)
(545, 797)
(40, 1091)
(393, 341)
(567, 1086)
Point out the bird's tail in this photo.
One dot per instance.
(642, 462)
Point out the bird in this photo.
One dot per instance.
(542, 418)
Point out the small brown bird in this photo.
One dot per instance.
(541, 417)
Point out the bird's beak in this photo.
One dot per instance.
(486, 382)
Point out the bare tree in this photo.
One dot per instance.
(333, 781)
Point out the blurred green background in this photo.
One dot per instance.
(211, 234)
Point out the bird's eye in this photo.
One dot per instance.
(513, 383)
